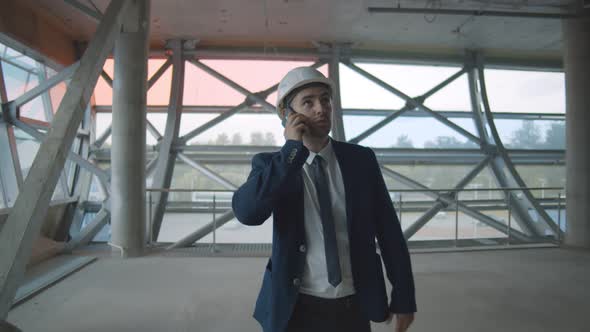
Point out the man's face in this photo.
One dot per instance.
(315, 103)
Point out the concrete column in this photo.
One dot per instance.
(334, 75)
(576, 58)
(128, 134)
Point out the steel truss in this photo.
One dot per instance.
(490, 154)
(28, 212)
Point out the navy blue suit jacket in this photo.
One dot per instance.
(275, 185)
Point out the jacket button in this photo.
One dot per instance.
(302, 248)
(296, 282)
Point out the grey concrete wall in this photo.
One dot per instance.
(577, 81)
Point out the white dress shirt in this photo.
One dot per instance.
(315, 274)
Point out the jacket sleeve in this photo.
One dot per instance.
(394, 249)
(254, 201)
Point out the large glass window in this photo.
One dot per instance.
(21, 73)
(187, 212)
(525, 91)
(532, 134)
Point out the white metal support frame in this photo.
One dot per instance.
(25, 219)
(11, 176)
(166, 153)
(197, 156)
(439, 205)
(413, 102)
(529, 202)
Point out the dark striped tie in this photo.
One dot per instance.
(320, 180)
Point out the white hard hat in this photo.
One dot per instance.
(297, 78)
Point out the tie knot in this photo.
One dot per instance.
(317, 161)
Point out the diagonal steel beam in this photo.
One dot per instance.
(444, 83)
(83, 189)
(156, 76)
(203, 231)
(476, 107)
(153, 130)
(224, 116)
(208, 172)
(44, 86)
(426, 217)
(167, 153)
(85, 9)
(151, 166)
(103, 137)
(48, 109)
(89, 232)
(269, 107)
(451, 201)
(234, 110)
(489, 147)
(379, 125)
(401, 111)
(10, 171)
(503, 160)
(101, 174)
(25, 219)
(105, 76)
(211, 123)
(414, 103)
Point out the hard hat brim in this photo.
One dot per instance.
(302, 83)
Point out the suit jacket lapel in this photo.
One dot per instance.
(347, 177)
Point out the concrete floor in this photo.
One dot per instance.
(503, 290)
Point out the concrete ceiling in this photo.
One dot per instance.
(298, 23)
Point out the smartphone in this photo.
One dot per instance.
(287, 112)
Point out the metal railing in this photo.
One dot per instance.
(410, 201)
(452, 199)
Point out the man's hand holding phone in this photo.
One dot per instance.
(295, 126)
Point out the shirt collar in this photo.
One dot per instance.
(326, 153)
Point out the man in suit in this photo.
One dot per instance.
(329, 203)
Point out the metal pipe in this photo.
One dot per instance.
(508, 231)
(470, 12)
(214, 248)
(559, 218)
(457, 219)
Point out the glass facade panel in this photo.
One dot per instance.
(411, 80)
(532, 134)
(17, 79)
(357, 91)
(27, 148)
(509, 91)
(186, 177)
(539, 176)
(240, 129)
(34, 109)
(247, 73)
(412, 132)
(159, 94)
(525, 91)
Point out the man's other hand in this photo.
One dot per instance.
(402, 321)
